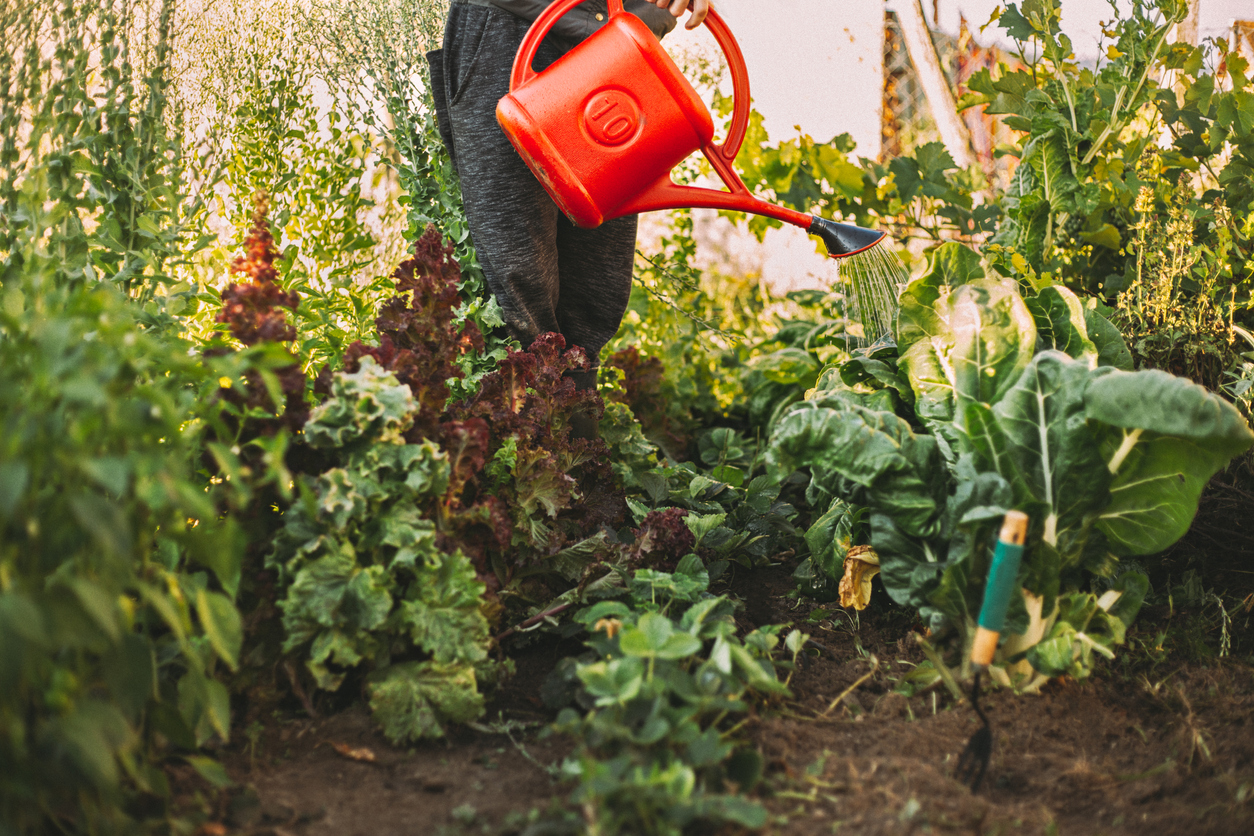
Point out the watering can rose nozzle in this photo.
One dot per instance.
(844, 240)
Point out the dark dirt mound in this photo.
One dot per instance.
(1159, 741)
(338, 775)
(1118, 754)
(318, 787)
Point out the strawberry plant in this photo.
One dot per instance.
(665, 677)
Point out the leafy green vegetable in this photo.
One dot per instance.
(367, 575)
(415, 699)
(665, 674)
(1162, 438)
(1107, 463)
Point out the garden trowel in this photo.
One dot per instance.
(1002, 577)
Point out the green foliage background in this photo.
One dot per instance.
(150, 459)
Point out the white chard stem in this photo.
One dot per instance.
(1129, 441)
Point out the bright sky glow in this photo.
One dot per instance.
(1081, 19)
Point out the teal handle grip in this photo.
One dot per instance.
(1001, 582)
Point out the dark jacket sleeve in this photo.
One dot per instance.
(587, 17)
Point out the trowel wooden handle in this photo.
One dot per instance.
(1002, 576)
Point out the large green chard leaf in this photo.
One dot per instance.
(994, 339)
(1054, 166)
(962, 338)
(925, 338)
(861, 369)
(1111, 348)
(830, 538)
(1162, 438)
(951, 265)
(1038, 440)
(929, 368)
(1061, 323)
(932, 572)
(972, 515)
(838, 439)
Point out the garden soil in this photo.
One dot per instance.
(1161, 740)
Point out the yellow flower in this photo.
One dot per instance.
(610, 625)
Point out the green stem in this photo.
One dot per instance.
(1115, 125)
(942, 669)
(1066, 89)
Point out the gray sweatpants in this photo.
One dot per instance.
(546, 273)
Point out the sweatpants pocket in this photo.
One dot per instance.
(465, 39)
(439, 93)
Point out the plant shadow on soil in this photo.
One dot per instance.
(1159, 739)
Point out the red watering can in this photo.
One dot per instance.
(603, 126)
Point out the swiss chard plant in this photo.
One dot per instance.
(999, 401)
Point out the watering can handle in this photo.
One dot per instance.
(522, 73)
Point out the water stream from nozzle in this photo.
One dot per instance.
(874, 278)
(873, 275)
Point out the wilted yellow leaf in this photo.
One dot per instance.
(356, 754)
(861, 565)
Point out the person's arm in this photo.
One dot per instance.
(677, 7)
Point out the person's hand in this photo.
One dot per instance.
(677, 7)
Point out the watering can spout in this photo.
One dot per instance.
(844, 240)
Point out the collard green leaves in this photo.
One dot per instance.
(415, 699)
(366, 570)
